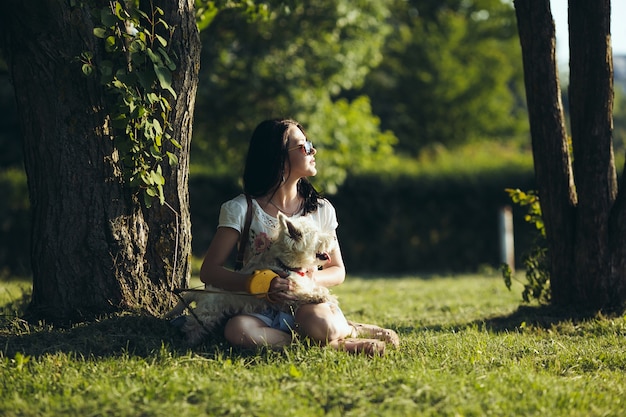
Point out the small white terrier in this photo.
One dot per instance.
(299, 246)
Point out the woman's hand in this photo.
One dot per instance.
(280, 288)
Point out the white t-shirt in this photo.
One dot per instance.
(264, 228)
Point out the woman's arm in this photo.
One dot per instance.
(213, 271)
(333, 273)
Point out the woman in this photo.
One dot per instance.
(279, 160)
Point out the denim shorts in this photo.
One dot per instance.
(281, 320)
(277, 319)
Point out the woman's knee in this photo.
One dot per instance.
(236, 331)
(321, 322)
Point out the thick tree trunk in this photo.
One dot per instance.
(95, 249)
(591, 110)
(549, 140)
(585, 223)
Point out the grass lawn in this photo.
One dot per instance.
(468, 349)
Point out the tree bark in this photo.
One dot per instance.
(591, 109)
(585, 222)
(95, 248)
(549, 140)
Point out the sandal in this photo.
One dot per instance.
(375, 332)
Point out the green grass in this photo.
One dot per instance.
(468, 349)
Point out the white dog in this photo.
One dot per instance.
(299, 246)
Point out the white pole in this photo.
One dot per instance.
(507, 250)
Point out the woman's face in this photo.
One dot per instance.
(301, 164)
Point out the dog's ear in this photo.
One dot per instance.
(291, 230)
(294, 233)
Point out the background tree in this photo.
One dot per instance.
(584, 212)
(96, 245)
(451, 74)
(295, 63)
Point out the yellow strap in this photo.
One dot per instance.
(259, 282)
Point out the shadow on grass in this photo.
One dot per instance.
(542, 317)
(113, 336)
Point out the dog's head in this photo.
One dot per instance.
(301, 244)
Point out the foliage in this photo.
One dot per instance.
(465, 350)
(350, 142)
(292, 64)
(207, 10)
(536, 262)
(452, 74)
(137, 70)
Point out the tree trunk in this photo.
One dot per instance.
(549, 139)
(591, 110)
(95, 248)
(584, 225)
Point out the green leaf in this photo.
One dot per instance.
(108, 18)
(147, 199)
(157, 126)
(146, 79)
(156, 59)
(87, 69)
(143, 14)
(168, 61)
(161, 195)
(100, 32)
(157, 178)
(152, 98)
(172, 159)
(161, 40)
(110, 44)
(164, 23)
(119, 10)
(165, 78)
(155, 153)
(165, 105)
(146, 178)
(137, 45)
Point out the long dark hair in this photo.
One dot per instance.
(265, 163)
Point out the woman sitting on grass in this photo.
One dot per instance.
(279, 160)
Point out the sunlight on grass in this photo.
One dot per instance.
(468, 348)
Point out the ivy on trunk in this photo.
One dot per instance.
(96, 248)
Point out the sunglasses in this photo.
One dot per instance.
(307, 148)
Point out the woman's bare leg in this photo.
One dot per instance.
(250, 332)
(326, 324)
(322, 322)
